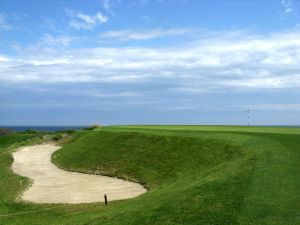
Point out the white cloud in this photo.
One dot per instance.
(56, 41)
(97, 93)
(48, 62)
(289, 81)
(4, 25)
(84, 21)
(287, 6)
(107, 6)
(4, 59)
(127, 35)
(272, 107)
(219, 63)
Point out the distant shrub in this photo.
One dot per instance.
(92, 127)
(31, 132)
(62, 138)
(4, 131)
(67, 131)
(57, 137)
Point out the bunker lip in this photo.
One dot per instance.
(54, 185)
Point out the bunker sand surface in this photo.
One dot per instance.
(54, 185)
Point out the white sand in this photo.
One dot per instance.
(54, 185)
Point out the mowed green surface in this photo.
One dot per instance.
(195, 175)
(255, 129)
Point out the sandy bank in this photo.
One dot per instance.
(54, 185)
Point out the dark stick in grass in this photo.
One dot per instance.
(105, 199)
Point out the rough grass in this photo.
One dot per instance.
(193, 176)
(149, 159)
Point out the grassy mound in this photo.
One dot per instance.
(149, 159)
(195, 175)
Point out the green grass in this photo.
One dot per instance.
(195, 175)
(255, 129)
(149, 159)
(10, 183)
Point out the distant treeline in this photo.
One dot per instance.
(4, 131)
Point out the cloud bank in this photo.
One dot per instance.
(214, 63)
(128, 34)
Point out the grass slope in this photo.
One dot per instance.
(9, 182)
(195, 175)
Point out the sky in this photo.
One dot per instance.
(82, 62)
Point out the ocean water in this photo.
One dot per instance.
(58, 128)
(43, 128)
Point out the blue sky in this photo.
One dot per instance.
(82, 62)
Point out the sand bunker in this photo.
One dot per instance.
(54, 185)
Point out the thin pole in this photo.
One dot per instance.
(105, 199)
(248, 120)
(247, 111)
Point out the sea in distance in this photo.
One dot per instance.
(43, 128)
